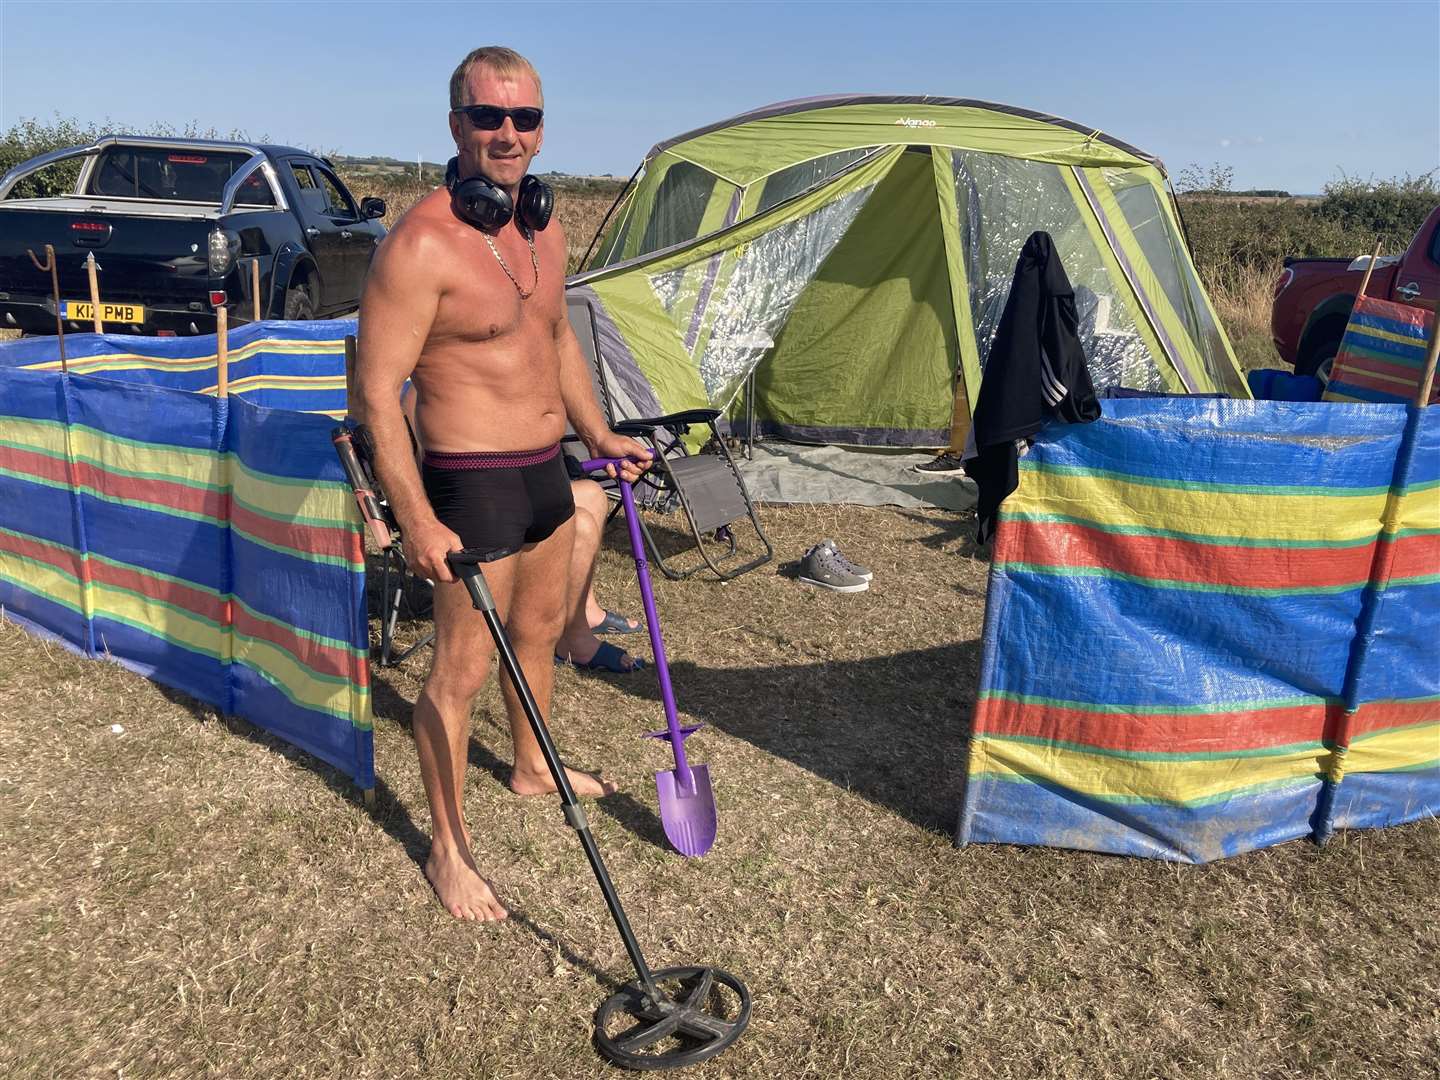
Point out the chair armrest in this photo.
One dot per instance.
(673, 421)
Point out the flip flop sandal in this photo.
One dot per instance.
(607, 658)
(615, 623)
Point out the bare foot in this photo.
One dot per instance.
(462, 890)
(526, 782)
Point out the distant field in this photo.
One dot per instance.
(580, 202)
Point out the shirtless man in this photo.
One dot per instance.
(475, 318)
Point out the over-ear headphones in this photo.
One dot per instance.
(487, 206)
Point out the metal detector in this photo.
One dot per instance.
(664, 1019)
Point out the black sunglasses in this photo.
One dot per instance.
(492, 117)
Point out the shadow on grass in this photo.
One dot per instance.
(387, 811)
(627, 811)
(394, 818)
(892, 729)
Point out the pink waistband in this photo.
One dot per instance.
(490, 459)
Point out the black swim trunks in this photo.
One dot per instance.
(499, 501)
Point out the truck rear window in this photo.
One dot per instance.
(138, 172)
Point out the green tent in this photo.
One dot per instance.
(839, 266)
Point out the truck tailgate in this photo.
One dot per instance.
(142, 259)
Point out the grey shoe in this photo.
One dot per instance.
(862, 572)
(821, 567)
(941, 463)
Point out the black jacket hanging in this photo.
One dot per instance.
(1036, 372)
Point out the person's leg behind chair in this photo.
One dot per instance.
(578, 642)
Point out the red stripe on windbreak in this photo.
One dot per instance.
(1414, 556)
(1352, 363)
(1184, 733)
(1381, 715)
(40, 466)
(41, 551)
(177, 593)
(171, 493)
(323, 659)
(1173, 559)
(338, 542)
(1193, 733)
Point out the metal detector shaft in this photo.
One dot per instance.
(466, 565)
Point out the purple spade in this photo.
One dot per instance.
(687, 801)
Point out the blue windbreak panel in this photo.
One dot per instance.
(1180, 647)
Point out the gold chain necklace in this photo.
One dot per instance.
(534, 263)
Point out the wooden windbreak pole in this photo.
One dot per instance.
(1427, 380)
(222, 353)
(1368, 271)
(255, 287)
(90, 267)
(352, 402)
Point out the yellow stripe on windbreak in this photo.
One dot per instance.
(41, 578)
(183, 628)
(297, 681)
(311, 501)
(200, 468)
(1174, 781)
(1419, 510)
(1114, 502)
(1405, 748)
(1361, 331)
(327, 503)
(119, 361)
(44, 437)
(167, 621)
(301, 382)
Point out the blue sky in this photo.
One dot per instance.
(1287, 94)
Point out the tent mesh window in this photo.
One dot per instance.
(1002, 201)
(1165, 252)
(789, 182)
(762, 281)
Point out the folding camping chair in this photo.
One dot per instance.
(707, 486)
(397, 584)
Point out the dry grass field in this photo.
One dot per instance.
(190, 898)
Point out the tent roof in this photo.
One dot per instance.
(773, 136)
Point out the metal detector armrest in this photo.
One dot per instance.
(476, 556)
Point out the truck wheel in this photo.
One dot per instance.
(1321, 348)
(298, 304)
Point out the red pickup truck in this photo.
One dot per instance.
(1313, 297)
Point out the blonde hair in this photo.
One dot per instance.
(506, 63)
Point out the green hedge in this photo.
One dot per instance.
(1232, 235)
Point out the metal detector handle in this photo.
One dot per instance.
(652, 621)
(370, 508)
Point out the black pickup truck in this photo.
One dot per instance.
(175, 225)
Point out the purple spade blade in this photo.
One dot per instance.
(688, 816)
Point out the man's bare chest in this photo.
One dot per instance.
(486, 300)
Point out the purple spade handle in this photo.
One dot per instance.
(652, 622)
